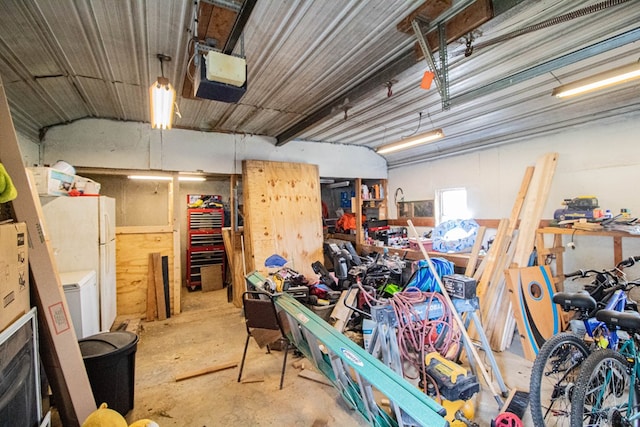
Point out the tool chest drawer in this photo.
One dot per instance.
(205, 218)
(203, 239)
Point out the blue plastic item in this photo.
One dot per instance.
(275, 260)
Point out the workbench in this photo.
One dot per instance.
(460, 260)
(557, 249)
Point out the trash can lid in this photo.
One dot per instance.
(106, 343)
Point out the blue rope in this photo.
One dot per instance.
(424, 279)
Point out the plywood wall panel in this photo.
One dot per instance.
(132, 264)
(283, 215)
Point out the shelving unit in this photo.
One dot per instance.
(371, 207)
(204, 242)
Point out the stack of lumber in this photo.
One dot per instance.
(512, 247)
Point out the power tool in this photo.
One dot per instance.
(456, 386)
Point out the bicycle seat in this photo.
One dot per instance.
(627, 320)
(575, 301)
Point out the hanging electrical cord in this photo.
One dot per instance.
(417, 129)
(545, 24)
(417, 337)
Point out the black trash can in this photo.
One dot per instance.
(110, 360)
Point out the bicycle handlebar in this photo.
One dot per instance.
(622, 264)
(628, 262)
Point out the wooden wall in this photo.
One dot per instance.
(132, 262)
(282, 214)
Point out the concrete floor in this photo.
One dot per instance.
(210, 332)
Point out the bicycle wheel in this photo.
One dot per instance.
(601, 394)
(553, 376)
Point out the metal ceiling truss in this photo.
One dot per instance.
(238, 26)
(244, 12)
(441, 73)
(378, 79)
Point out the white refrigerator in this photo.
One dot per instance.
(82, 235)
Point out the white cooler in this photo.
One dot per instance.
(81, 292)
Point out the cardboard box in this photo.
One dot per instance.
(52, 182)
(14, 273)
(86, 186)
(211, 277)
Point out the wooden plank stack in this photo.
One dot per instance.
(512, 247)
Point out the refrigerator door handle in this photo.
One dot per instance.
(106, 227)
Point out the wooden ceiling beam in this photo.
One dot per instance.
(428, 12)
(462, 23)
(215, 23)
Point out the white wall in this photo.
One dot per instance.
(128, 145)
(29, 149)
(602, 160)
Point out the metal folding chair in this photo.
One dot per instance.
(260, 314)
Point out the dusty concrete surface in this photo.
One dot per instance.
(210, 332)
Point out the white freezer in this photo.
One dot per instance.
(81, 291)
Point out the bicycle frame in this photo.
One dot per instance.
(629, 350)
(617, 302)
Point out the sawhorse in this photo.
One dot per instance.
(384, 341)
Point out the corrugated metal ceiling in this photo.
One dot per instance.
(65, 60)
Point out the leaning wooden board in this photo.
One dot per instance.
(59, 349)
(282, 213)
(531, 214)
(531, 291)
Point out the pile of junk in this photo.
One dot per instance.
(395, 309)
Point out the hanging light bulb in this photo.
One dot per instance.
(162, 98)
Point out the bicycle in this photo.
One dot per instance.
(607, 391)
(555, 370)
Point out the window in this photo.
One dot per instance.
(452, 204)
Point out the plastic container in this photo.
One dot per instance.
(110, 359)
(323, 311)
(65, 167)
(368, 325)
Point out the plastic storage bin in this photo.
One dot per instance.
(110, 359)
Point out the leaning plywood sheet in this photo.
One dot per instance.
(59, 347)
(132, 267)
(283, 214)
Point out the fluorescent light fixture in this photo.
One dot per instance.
(151, 177)
(192, 178)
(166, 178)
(403, 144)
(339, 184)
(162, 98)
(599, 81)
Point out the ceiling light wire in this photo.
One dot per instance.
(417, 129)
(555, 77)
